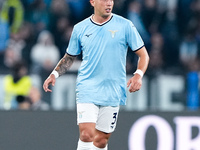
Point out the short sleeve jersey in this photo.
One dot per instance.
(102, 75)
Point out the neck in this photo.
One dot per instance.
(101, 19)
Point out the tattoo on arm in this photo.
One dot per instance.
(64, 64)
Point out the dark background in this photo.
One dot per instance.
(57, 130)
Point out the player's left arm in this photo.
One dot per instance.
(61, 68)
(135, 82)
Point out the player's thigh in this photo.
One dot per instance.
(87, 113)
(107, 119)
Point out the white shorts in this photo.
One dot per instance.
(105, 117)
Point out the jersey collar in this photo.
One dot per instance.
(100, 24)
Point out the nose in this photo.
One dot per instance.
(109, 2)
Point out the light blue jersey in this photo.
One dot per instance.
(102, 75)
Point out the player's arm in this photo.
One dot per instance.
(135, 82)
(63, 65)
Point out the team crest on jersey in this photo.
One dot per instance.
(113, 32)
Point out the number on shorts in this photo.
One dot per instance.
(114, 117)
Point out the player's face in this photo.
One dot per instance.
(102, 8)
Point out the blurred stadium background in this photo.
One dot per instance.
(34, 35)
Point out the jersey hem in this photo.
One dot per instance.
(98, 104)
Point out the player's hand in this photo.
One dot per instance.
(134, 83)
(49, 81)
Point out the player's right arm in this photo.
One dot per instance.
(63, 65)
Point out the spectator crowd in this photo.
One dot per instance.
(35, 34)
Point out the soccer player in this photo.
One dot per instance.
(103, 39)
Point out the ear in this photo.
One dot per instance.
(92, 2)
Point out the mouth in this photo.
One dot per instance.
(108, 10)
